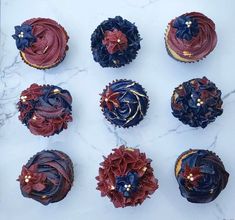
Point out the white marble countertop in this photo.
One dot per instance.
(90, 136)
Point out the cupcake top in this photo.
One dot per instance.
(201, 175)
(115, 42)
(47, 177)
(197, 102)
(126, 177)
(192, 36)
(45, 110)
(42, 42)
(124, 103)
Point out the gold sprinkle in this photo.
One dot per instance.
(56, 91)
(34, 117)
(112, 187)
(43, 197)
(129, 149)
(144, 169)
(187, 53)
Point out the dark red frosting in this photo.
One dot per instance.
(118, 164)
(201, 45)
(47, 177)
(51, 42)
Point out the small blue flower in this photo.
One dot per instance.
(23, 36)
(187, 27)
(127, 184)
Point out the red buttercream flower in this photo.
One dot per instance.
(114, 41)
(31, 180)
(119, 164)
(40, 125)
(110, 99)
(32, 93)
(192, 176)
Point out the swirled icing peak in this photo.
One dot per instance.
(47, 177)
(201, 175)
(45, 110)
(124, 103)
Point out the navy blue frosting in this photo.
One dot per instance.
(188, 109)
(187, 27)
(213, 179)
(127, 184)
(133, 102)
(23, 36)
(118, 59)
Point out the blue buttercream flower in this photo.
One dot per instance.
(23, 36)
(187, 27)
(127, 184)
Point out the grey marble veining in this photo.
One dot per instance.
(90, 136)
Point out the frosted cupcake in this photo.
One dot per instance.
(115, 42)
(201, 175)
(47, 177)
(190, 37)
(126, 177)
(124, 103)
(45, 109)
(42, 42)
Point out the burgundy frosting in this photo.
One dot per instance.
(51, 42)
(201, 45)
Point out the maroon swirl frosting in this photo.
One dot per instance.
(51, 43)
(199, 46)
(47, 177)
(45, 110)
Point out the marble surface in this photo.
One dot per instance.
(90, 136)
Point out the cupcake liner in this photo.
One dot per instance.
(117, 80)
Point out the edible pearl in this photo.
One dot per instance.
(26, 180)
(118, 40)
(106, 99)
(191, 179)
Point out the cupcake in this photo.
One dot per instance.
(47, 177)
(126, 177)
(124, 103)
(197, 102)
(115, 42)
(45, 110)
(190, 37)
(42, 42)
(201, 175)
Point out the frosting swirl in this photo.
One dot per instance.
(200, 45)
(47, 177)
(45, 110)
(50, 45)
(124, 103)
(126, 177)
(201, 175)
